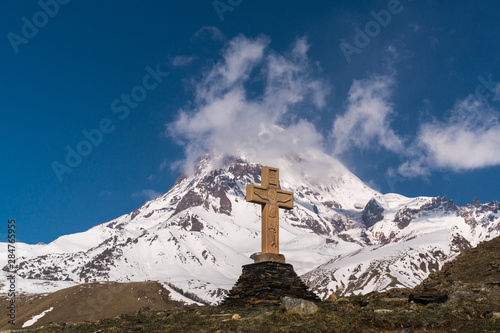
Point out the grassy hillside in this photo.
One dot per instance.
(463, 297)
(477, 265)
(91, 301)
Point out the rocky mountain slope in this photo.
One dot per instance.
(410, 239)
(342, 236)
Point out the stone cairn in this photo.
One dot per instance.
(266, 283)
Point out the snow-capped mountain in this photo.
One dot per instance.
(342, 236)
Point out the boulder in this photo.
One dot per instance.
(298, 305)
(427, 297)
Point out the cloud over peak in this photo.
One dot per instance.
(256, 102)
(230, 118)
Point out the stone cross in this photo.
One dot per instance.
(271, 198)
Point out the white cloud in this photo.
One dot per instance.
(469, 139)
(228, 118)
(366, 121)
(254, 102)
(180, 61)
(240, 56)
(415, 166)
(149, 194)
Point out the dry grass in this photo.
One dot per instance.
(471, 283)
(353, 314)
(91, 301)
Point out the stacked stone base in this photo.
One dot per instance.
(265, 283)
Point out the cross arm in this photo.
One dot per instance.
(257, 194)
(285, 199)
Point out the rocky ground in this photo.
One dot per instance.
(464, 296)
(470, 308)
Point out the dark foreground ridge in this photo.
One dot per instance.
(463, 297)
(476, 265)
(266, 283)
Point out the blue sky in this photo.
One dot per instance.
(404, 93)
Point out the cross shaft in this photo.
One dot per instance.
(271, 198)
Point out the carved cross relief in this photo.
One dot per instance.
(271, 198)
